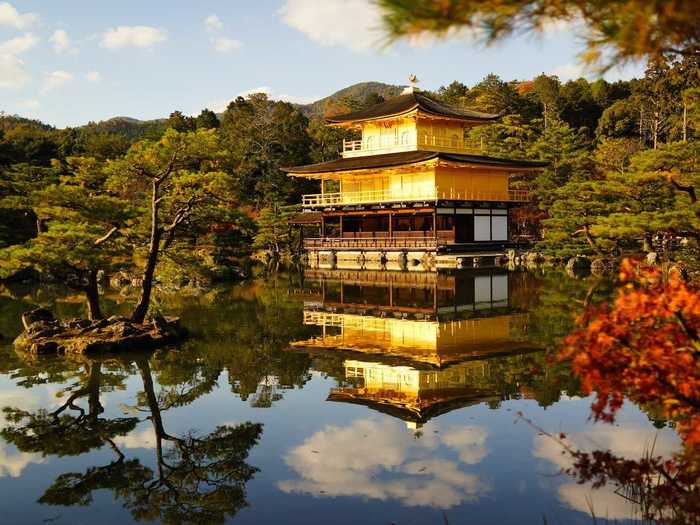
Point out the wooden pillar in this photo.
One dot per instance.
(341, 226)
(323, 226)
(391, 220)
(435, 233)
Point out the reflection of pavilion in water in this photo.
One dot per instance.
(425, 338)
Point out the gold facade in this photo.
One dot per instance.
(414, 345)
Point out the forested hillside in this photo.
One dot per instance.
(623, 158)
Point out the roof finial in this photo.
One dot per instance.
(413, 79)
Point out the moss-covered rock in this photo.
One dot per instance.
(45, 335)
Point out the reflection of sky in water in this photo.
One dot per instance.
(333, 459)
(341, 462)
(381, 460)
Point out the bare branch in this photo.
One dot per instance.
(107, 236)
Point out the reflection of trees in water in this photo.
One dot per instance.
(196, 478)
(245, 332)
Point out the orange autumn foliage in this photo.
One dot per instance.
(644, 346)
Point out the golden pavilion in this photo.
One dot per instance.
(430, 318)
(414, 345)
(412, 189)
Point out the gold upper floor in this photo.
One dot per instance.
(413, 133)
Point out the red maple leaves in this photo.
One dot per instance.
(644, 346)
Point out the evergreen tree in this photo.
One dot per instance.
(274, 233)
(179, 191)
(82, 233)
(261, 136)
(566, 150)
(179, 122)
(207, 119)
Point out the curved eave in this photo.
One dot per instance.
(416, 111)
(354, 164)
(407, 105)
(409, 158)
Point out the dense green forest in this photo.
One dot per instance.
(623, 165)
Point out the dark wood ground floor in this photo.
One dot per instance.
(433, 229)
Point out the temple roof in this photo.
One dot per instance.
(415, 414)
(407, 157)
(407, 103)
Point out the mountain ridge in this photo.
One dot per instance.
(357, 91)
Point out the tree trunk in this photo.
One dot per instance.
(591, 241)
(685, 121)
(152, 402)
(153, 248)
(40, 226)
(545, 115)
(95, 408)
(92, 293)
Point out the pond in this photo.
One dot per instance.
(336, 396)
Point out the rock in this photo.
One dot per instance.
(652, 258)
(602, 266)
(578, 266)
(45, 348)
(578, 263)
(123, 329)
(117, 318)
(38, 315)
(78, 336)
(78, 323)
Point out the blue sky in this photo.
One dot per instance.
(67, 62)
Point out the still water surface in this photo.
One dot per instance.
(336, 397)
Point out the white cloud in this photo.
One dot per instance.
(569, 72)
(468, 441)
(631, 442)
(380, 460)
(55, 80)
(9, 16)
(13, 461)
(274, 95)
(224, 45)
(61, 41)
(93, 77)
(18, 45)
(219, 106)
(13, 75)
(354, 24)
(137, 439)
(133, 36)
(213, 23)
